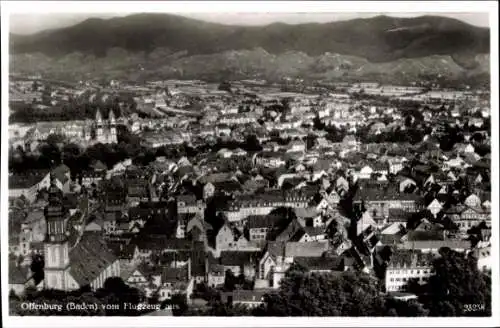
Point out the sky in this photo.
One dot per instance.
(28, 23)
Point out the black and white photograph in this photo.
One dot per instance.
(198, 161)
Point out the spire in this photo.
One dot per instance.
(112, 118)
(98, 116)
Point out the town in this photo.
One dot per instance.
(199, 191)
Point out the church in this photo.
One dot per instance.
(73, 258)
(102, 131)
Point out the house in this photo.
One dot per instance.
(395, 165)
(216, 275)
(341, 185)
(137, 276)
(472, 216)
(364, 173)
(329, 201)
(264, 202)
(380, 200)
(240, 262)
(176, 281)
(309, 216)
(258, 227)
(269, 159)
(189, 204)
(484, 259)
(350, 142)
(391, 234)
(435, 207)
(473, 201)
(405, 265)
(278, 257)
(229, 237)
(296, 146)
(197, 229)
(433, 246)
(324, 264)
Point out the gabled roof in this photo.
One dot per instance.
(27, 180)
(238, 258)
(89, 258)
(309, 249)
(321, 263)
(174, 275)
(410, 258)
(260, 221)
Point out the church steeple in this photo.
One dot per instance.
(56, 250)
(54, 214)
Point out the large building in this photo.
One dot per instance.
(406, 265)
(105, 130)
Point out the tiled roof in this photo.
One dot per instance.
(321, 263)
(174, 275)
(309, 249)
(410, 258)
(158, 243)
(238, 258)
(376, 194)
(437, 244)
(305, 213)
(314, 231)
(89, 258)
(28, 180)
(260, 221)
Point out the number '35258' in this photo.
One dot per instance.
(474, 307)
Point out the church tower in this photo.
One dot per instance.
(56, 250)
(99, 126)
(112, 128)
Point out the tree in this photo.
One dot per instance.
(229, 281)
(54, 139)
(116, 292)
(37, 265)
(456, 284)
(333, 294)
(252, 143)
(179, 305)
(344, 294)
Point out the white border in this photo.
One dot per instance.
(248, 6)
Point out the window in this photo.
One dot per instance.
(392, 279)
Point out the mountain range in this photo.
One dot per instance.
(171, 46)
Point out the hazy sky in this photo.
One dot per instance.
(32, 23)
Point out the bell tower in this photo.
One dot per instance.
(56, 250)
(99, 125)
(112, 127)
